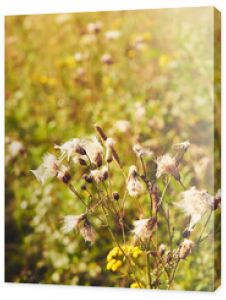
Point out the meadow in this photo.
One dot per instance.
(124, 101)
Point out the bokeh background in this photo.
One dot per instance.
(145, 76)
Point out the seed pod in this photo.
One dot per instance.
(217, 200)
(162, 249)
(80, 150)
(98, 160)
(185, 248)
(82, 162)
(83, 187)
(153, 253)
(105, 174)
(116, 196)
(109, 156)
(88, 178)
(88, 232)
(169, 257)
(64, 175)
(101, 133)
(186, 233)
(110, 145)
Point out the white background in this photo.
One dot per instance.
(29, 291)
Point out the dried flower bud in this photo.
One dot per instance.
(80, 150)
(185, 248)
(162, 249)
(133, 171)
(109, 156)
(110, 145)
(83, 187)
(100, 175)
(82, 162)
(134, 186)
(64, 175)
(104, 173)
(101, 133)
(116, 196)
(98, 160)
(180, 148)
(186, 233)
(169, 257)
(88, 232)
(217, 200)
(88, 178)
(167, 165)
(153, 253)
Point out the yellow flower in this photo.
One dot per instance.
(116, 265)
(111, 263)
(135, 285)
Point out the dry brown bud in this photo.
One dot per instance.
(83, 187)
(185, 248)
(116, 196)
(88, 178)
(162, 249)
(186, 233)
(101, 133)
(64, 175)
(82, 162)
(80, 150)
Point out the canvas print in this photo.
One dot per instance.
(112, 149)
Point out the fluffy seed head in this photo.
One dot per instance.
(48, 169)
(185, 248)
(195, 204)
(71, 222)
(143, 228)
(167, 165)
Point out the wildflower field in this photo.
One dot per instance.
(112, 149)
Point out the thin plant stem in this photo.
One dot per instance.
(204, 228)
(174, 272)
(115, 240)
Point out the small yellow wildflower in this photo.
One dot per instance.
(135, 285)
(116, 265)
